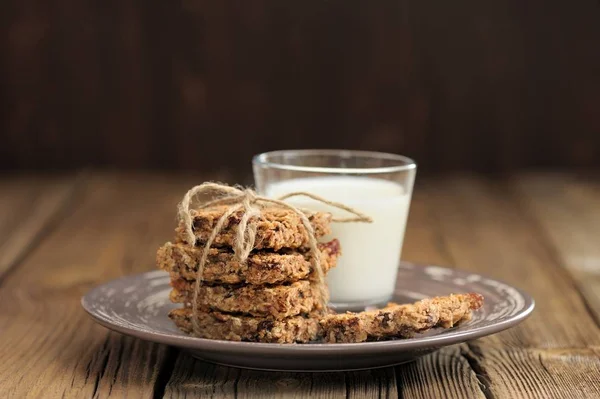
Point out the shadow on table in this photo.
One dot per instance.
(195, 377)
(136, 366)
(192, 376)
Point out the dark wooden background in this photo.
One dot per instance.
(202, 85)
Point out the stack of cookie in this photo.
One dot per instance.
(273, 296)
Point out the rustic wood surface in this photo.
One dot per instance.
(59, 236)
(466, 84)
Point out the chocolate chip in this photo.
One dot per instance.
(386, 320)
(266, 325)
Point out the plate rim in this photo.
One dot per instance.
(309, 349)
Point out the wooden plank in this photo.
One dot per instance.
(482, 227)
(119, 222)
(566, 209)
(539, 373)
(193, 378)
(486, 230)
(443, 374)
(29, 206)
(462, 84)
(51, 347)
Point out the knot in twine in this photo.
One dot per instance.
(251, 203)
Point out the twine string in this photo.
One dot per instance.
(245, 234)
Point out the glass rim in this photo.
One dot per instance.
(404, 163)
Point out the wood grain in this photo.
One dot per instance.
(485, 229)
(29, 207)
(566, 209)
(538, 373)
(51, 347)
(446, 373)
(193, 378)
(482, 226)
(508, 229)
(465, 85)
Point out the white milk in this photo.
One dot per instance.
(366, 271)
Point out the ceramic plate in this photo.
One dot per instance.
(138, 306)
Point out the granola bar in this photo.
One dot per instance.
(261, 268)
(275, 302)
(216, 325)
(400, 321)
(276, 228)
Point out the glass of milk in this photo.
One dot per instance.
(376, 184)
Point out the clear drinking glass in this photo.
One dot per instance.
(377, 184)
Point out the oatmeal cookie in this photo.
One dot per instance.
(276, 228)
(216, 325)
(400, 321)
(276, 302)
(262, 267)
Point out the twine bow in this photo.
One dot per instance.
(251, 203)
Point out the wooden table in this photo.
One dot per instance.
(60, 236)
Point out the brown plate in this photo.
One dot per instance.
(138, 306)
